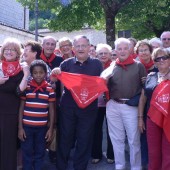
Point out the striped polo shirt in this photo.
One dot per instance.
(37, 105)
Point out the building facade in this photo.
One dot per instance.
(14, 14)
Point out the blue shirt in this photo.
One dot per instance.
(91, 66)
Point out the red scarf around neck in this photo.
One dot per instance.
(107, 64)
(126, 62)
(11, 68)
(159, 110)
(147, 65)
(37, 87)
(49, 59)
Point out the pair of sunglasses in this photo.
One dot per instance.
(161, 58)
(166, 39)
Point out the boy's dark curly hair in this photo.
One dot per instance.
(40, 63)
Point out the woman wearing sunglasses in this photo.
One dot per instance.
(156, 95)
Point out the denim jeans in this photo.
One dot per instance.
(33, 148)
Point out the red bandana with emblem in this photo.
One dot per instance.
(49, 59)
(37, 87)
(11, 68)
(159, 111)
(84, 88)
(123, 64)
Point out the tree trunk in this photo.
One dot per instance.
(110, 28)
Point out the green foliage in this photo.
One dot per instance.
(76, 15)
(146, 18)
(42, 23)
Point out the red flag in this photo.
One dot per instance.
(159, 111)
(84, 88)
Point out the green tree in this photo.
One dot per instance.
(81, 13)
(146, 18)
(42, 23)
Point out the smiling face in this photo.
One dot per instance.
(66, 47)
(48, 45)
(144, 53)
(162, 61)
(81, 49)
(123, 51)
(104, 55)
(38, 74)
(10, 53)
(29, 55)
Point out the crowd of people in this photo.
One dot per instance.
(61, 96)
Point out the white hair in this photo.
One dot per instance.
(156, 40)
(100, 46)
(48, 37)
(79, 37)
(63, 39)
(122, 41)
(165, 32)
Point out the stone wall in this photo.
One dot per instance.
(94, 36)
(22, 35)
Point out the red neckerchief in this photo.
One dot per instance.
(47, 60)
(82, 87)
(37, 87)
(11, 68)
(123, 64)
(159, 110)
(107, 64)
(147, 65)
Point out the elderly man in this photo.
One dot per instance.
(124, 83)
(165, 38)
(48, 56)
(75, 120)
(66, 46)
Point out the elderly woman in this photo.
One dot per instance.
(155, 43)
(144, 50)
(156, 95)
(104, 55)
(13, 80)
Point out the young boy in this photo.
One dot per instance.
(36, 108)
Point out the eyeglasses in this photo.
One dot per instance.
(11, 50)
(103, 53)
(164, 39)
(143, 51)
(114, 54)
(81, 46)
(161, 58)
(65, 46)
